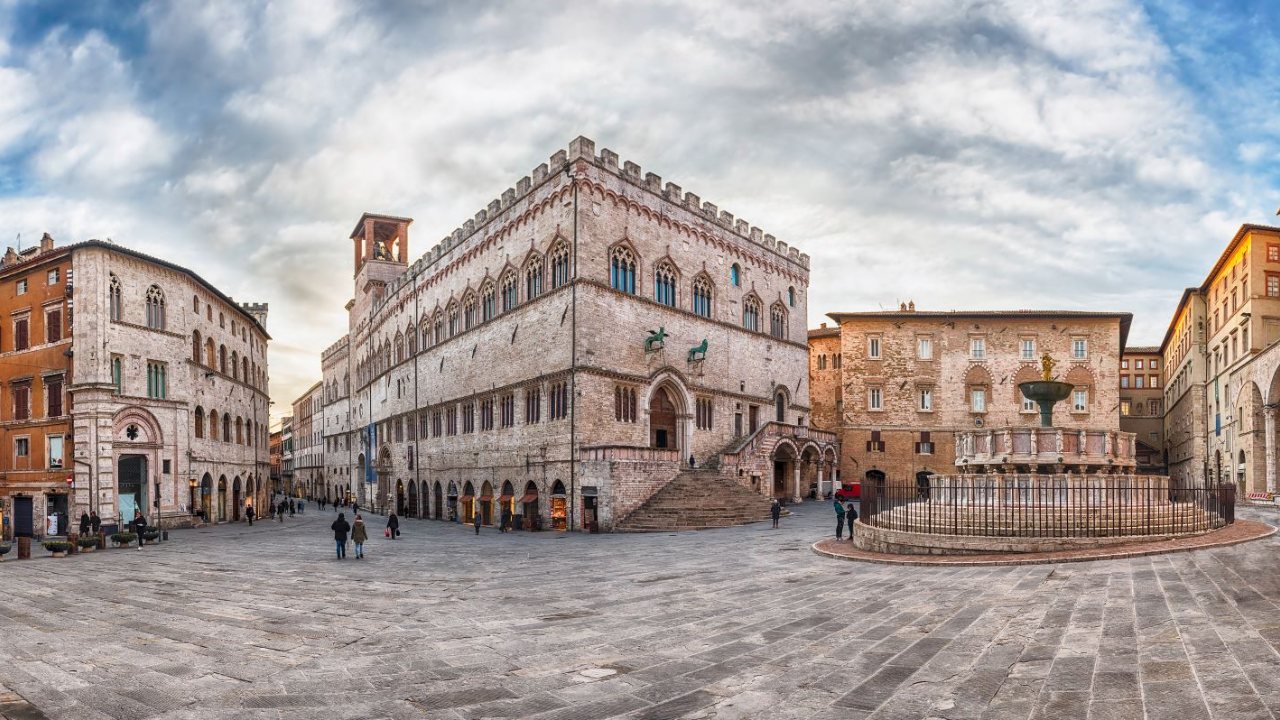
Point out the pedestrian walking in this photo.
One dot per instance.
(84, 523)
(95, 522)
(775, 512)
(393, 525)
(280, 511)
(359, 534)
(340, 529)
(355, 507)
(139, 524)
(475, 520)
(850, 514)
(248, 513)
(840, 520)
(292, 507)
(506, 519)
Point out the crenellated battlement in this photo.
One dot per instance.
(338, 347)
(607, 160)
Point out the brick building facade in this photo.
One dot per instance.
(512, 365)
(909, 380)
(1142, 406)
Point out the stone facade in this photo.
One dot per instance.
(482, 373)
(164, 380)
(1142, 406)
(911, 379)
(1218, 369)
(308, 450)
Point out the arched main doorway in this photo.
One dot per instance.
(131, 487)
(486, 503)
(506, 501)
(206, 497)
(662, 420)
(400, 498)
(529, 504)
(784, 467)
(235, 498)
(412, 509)
(467, 501)
(559, 507)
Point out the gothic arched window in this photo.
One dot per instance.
(751, 314)
(702, 293)
(510, 292)
(469, 311)
(155, 308)
(488, 302)
(559, 265)
(411, 337)
(622, 270)
(115, 297)
(735, 275)
(778, 321)
(533, 278)
(664, 284)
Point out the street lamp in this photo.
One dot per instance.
(192, 485)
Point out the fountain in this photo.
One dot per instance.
(1023, 488)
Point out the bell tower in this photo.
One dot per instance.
(381, 244)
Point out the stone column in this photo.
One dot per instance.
(820, 481)
(795, 465)
(1269, 437)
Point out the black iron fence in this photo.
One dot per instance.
(1053, 506)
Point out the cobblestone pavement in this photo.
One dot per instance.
(263, 622)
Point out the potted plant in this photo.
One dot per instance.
(87, 543)
(59, 548)
(4, 549)
(151, 535)
(123, 538)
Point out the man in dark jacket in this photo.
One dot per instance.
(775, 512)
(340, 529)
(393, 524)
(139, 525)
(84, 524)
(95, 522)
(248, 513)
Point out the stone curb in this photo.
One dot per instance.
(1022, 559)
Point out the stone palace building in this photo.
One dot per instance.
(566, 354)
(128, 383)
(898, 386)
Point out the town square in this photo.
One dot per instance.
(850, 359)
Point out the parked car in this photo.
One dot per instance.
(849, 491)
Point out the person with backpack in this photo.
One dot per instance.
(840, 521)
(393, 525)
(359, 535)
(340, 528)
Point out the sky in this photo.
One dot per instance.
(1097, 154)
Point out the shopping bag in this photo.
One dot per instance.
(386, 532)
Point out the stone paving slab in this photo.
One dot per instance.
(263, 622)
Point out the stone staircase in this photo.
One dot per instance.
(694, 500)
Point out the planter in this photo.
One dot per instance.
(150, 535)
(87, 543)
(4, 549)
(123, 538)
(59, 548)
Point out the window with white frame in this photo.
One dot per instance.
(926, 399)
(1124, 381)
(1137, 364)
(1154, 364)
(1079, 348)
(978, 399)
(1137, 381)
(54, 444)
(977, 348)
(1028, 405)
(1080, 400)
(875, 398)
(873, 348)
(1027, 348)
(924, 348)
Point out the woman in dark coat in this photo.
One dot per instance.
(393, 524)
(85, 524)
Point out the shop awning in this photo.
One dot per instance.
(504, 497)
(529, 497)
(466, 498)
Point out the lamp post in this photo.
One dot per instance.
(191, 484)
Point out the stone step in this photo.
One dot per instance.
(694, 500)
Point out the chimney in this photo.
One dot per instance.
(823, 326)
(46, 243)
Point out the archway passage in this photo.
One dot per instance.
(784, 465)
(662, 420)
(206, 497)
(467, 502)
(235, 499)
(486, 504)
(529, 506)
(506, 503)
(438, 501)
(222, 498)
(400, 498)
(559, 507)
(412, 509)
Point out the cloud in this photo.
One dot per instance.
(963, 154)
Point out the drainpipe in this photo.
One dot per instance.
(573, 366)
